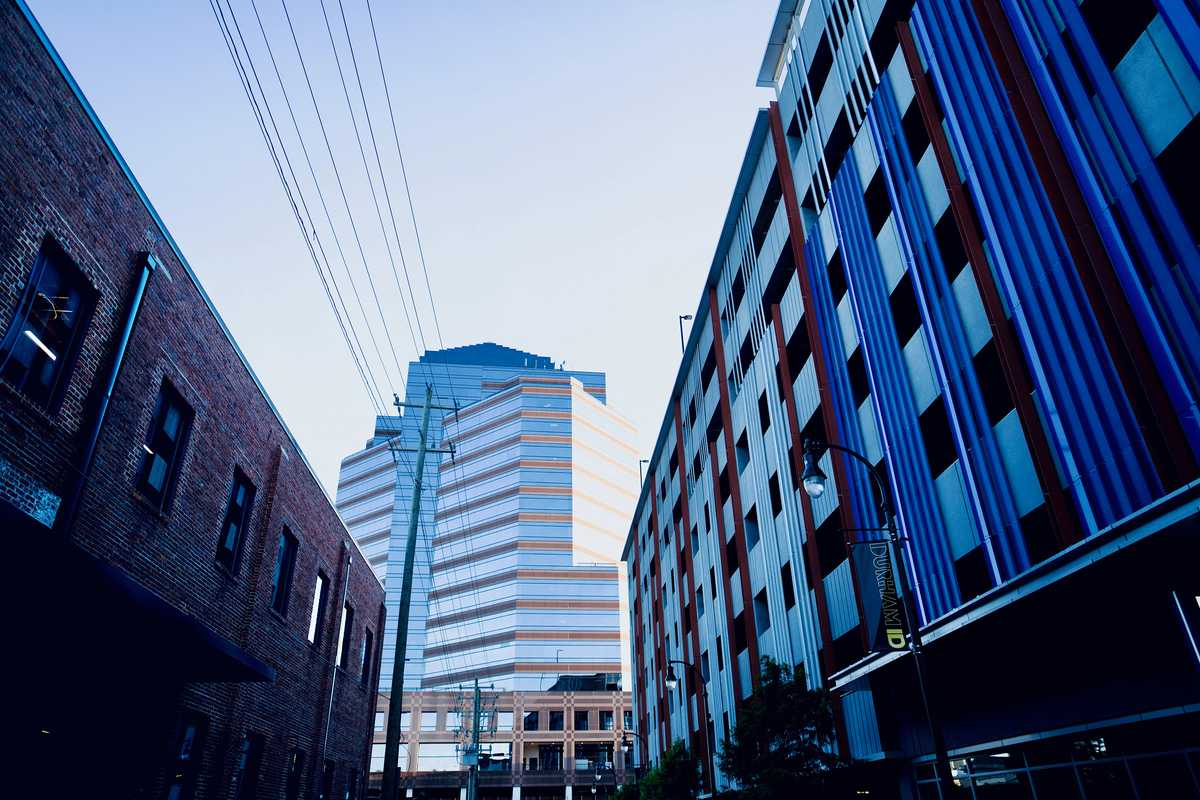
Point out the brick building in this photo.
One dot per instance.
(559, 744)
(168, 538)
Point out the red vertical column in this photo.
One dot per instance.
(687, 577)
(735, 496)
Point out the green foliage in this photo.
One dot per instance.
(675, 777)
(784, 737)
(629, 791)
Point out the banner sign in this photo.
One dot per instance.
(883, 615)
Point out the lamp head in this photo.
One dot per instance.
(671, 681)
(814, 477)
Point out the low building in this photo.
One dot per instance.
(193, 619)
(561, 743)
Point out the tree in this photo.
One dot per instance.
(784, 737)
(675, 777)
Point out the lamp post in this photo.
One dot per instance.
(813, 480)
(641, 477)
(626, 742)
(671, 683)
(682, 343)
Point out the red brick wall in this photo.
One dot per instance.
(59, 178)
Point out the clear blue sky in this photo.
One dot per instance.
(571, 163)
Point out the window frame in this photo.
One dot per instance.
(51, 254)
(345, 636)
(247, 508)
(163, 499)
(368, 644)
(316, 618)
(284, 573)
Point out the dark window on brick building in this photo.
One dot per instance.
(581, 720)
(731, 557)
(38, 351)
(764, 413)
(244, 778)
(164, 446)
(295, 774)
(789, 588)
(1175, 164)
(838, 143)
(364, 671)
(720, 656)
(741, 452)
(285, 566)
(556, 721)
(316, 620)
(1116, 26)
(739, 632)
(327, 771)
(186, 756)
(530, 721)
(237, 516)
(346, 637)
(798, 350)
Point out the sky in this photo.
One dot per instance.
(570, 165)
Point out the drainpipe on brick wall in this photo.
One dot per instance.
(70, 509)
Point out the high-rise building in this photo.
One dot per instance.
(517, 579)
(537, 452)
(530, 520)
(962, 243)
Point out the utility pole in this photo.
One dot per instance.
(391, 750)
(473, 775)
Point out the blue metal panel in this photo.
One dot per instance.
(1159, 275)
(896, 414)
(1098, 444)
(996, 520)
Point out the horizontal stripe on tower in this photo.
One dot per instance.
(503, 494)
(582, 420)
(550, 668)
(503, 444)
(370, 516)
(506, 547)
(524, 413)
(527, 603)
(371, 538)
(500, 522)
(362, 455)
(378, 491)
(508, 637)
(510, 466)
(605, 457)
(564, 575)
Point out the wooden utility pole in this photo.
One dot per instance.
(391, 750)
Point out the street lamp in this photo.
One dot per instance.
(814, 480)
(682, 344)
(671, 681)
(814, 477)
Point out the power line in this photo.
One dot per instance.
(366, 169)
